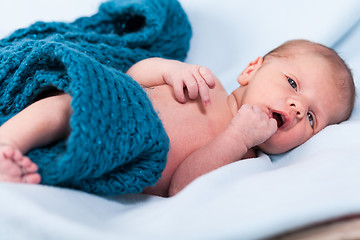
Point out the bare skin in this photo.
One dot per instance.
(201, 115)
(18, 168)
(207, 127)
(43, 122)
(197, 121)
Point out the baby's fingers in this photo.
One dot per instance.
(202, 89)
(272, 126)
(208, 76)
(204, 93)
(178, 87)
(192, 86)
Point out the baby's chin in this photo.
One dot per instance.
(270, 147)
(279, 143)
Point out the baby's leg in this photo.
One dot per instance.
(15, 167)
(41, 123)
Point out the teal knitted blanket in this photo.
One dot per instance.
(117, 144)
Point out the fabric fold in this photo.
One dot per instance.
(117, 143)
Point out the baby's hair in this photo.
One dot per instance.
(344, 78)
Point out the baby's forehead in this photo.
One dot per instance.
(327, 67)
(333, 101)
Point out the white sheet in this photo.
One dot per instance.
(250, 199)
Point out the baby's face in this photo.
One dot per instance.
(300, 94)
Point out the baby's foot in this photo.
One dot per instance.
(15, 167)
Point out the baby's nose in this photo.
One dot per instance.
(298, 108)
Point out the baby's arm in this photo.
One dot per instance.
(157, 71)
(250, 127)
(40, 123)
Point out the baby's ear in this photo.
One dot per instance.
(251, 68)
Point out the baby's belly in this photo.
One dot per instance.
(189, 127)
(182, 122)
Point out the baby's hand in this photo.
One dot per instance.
(252, 126)
(197, 80)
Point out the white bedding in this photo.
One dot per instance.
(250, 199)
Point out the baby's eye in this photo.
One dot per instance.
(311, 119)
(292, 83)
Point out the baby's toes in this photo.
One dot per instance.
(30, 167)
(18, 157)
(32, 178)
(26, 163)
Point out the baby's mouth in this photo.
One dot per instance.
(278, 118)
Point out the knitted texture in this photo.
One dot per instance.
(117, 143)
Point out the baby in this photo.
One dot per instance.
(285, 98)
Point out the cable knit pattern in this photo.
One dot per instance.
(117, 144)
